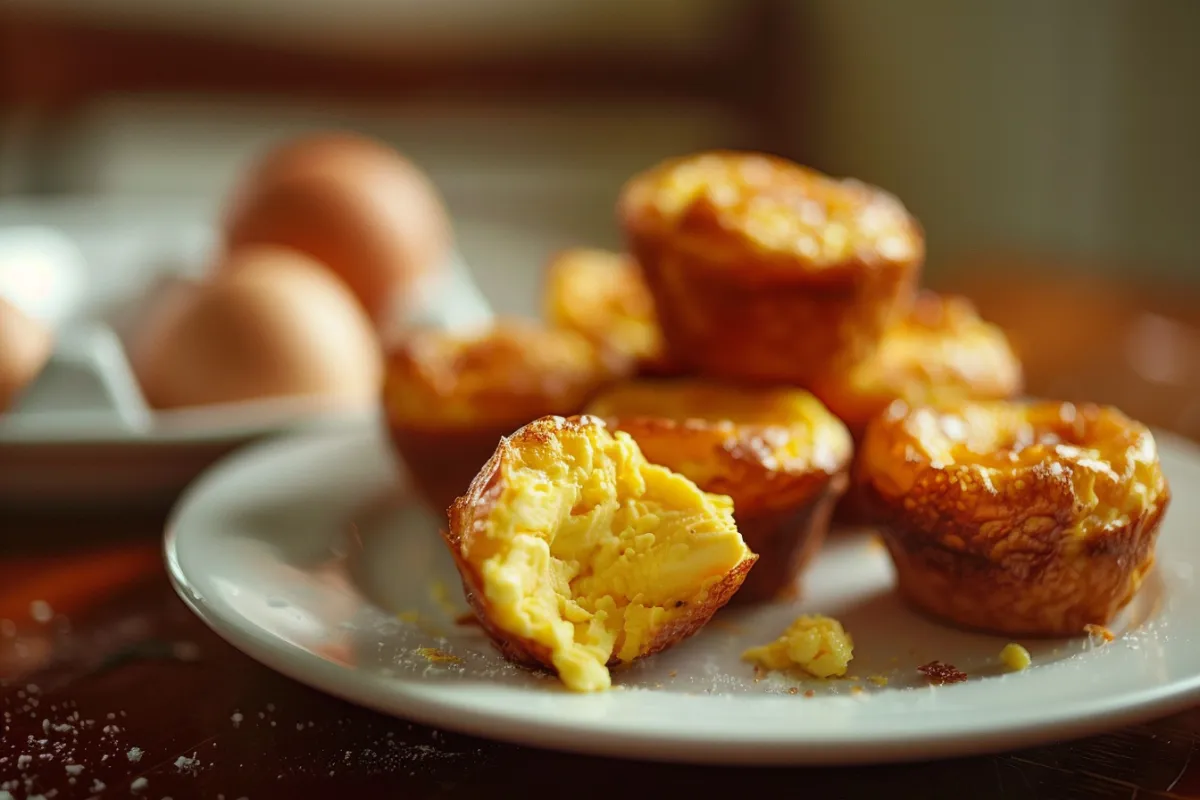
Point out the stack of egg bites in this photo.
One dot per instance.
(690, 416)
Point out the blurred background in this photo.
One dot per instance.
(1031, 138)
(1064, 130)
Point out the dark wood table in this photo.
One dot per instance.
(112, 688)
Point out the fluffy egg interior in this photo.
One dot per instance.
(598, 556)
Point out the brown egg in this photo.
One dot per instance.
(351, 203)
(25, 347)
(272, 323)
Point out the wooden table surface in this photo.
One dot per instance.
(112, 688)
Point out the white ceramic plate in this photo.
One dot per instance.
(305, 554)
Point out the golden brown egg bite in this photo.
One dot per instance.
(1029, 519)
(764, 270)
(448, 397)
(778, 453)
(603, 296)
(577, 554)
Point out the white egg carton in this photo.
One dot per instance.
(82, 430)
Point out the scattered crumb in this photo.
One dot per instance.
(810, 693)
(856, 690)
(939, 673)
(134, 754)
(1015, 657)
(185, 764)
(74, 769)
(436, 656)
(41, 611)
(139, 784)
(794, 690)
(236, 719)
(672, 673)
(1099, 631)
(878, 680)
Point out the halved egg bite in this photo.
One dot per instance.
(577, 554)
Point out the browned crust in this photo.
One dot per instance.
(468, 515)
(747, 323)
(786, 540)
(1048, 590)
(1009, 556)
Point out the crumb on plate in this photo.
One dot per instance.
(1015, 657)
(939, 673)
(816, 644)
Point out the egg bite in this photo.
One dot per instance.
(577, 554)
(764, 270)
(603, 296)
(1029, 519)
(448, 397)
(940, 354)
(778, 453)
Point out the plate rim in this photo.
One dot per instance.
(390, 696)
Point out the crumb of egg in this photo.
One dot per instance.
(817, 645)
(1015, 657)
